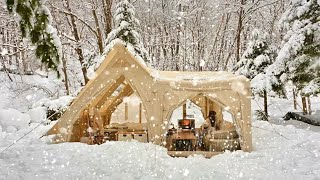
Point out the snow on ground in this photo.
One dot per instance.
(25, 90)
(274, 157)
(282, 150)
(279, 107)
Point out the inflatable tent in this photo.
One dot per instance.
(121, 74)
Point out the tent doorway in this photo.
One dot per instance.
(116, 115)
(188, 110)
(190, 130)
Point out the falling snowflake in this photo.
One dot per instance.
(4, 52)
(29, 97)
(186, 172)
(202, 63)
(89, 130)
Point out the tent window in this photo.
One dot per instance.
(227, 116)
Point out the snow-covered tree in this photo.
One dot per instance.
(35, 22)
(257, 57)
(127, 30)
(299, 57)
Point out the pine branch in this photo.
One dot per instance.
(35, 23)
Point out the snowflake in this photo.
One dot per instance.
(4, 52)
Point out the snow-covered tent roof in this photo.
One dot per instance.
(160, 93)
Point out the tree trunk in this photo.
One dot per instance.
(177, 47)
(239, 30)
(23, 59)
(64, 69)
(304, 105)
(294, 100)
(222, 49)
(16, 55)
(107, 16)
(78, 49)
(309, 105)
(99, 34)
(265, 100)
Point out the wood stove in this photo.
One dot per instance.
(186, 124)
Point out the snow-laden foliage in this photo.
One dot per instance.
(257, 57)
(127, 30)
(35, 22)
(55, 108)
(56, 104)
(299, 57)
(312, 88)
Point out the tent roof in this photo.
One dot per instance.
(189, 77)
(198, 79)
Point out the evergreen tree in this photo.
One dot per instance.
(299, 58)
(35, 22)
(126, 29)
(257, 57)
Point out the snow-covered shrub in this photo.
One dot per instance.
(13, 119)
(261, 115)
(55, 108)
(11, 129)
(37, 114)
